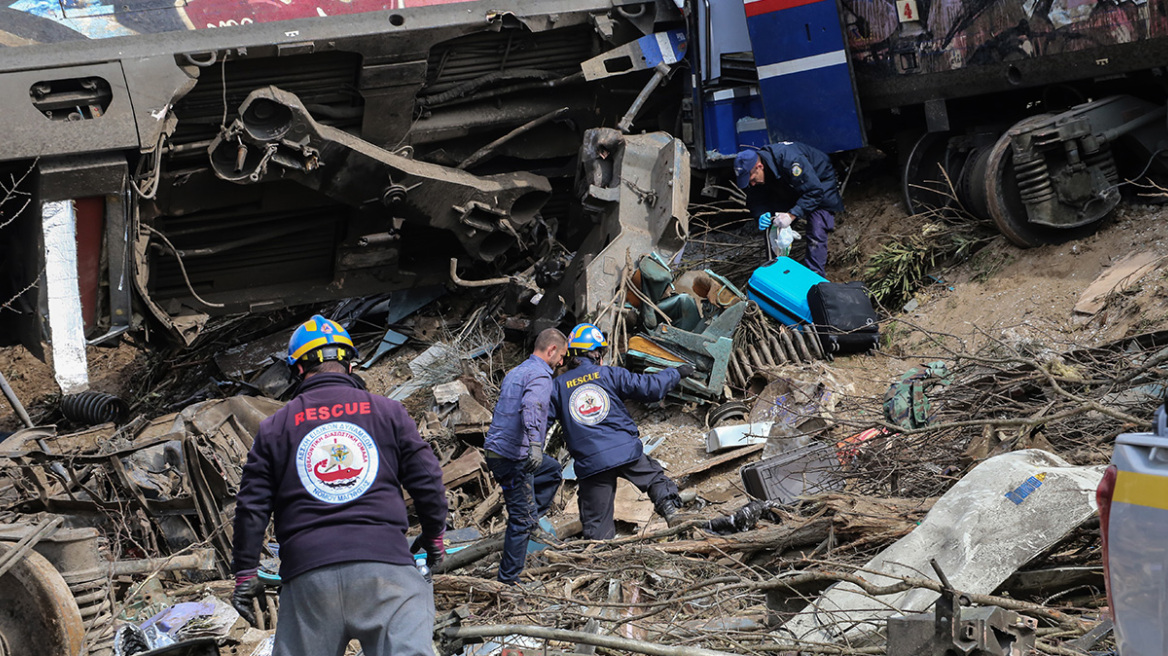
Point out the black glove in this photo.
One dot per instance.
(534, 458)
(247, 588)
(686, 370)
(435, 549)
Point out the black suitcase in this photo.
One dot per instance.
(843, 316)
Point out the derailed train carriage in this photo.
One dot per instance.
(224, 157)
(1031, 113)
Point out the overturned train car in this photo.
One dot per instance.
(210, 157)
(1031, 113)
(1037, 111)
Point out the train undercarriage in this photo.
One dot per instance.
(1047, 178)
(296, 162)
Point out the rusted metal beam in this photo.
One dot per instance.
(488, 282)
(28, 542)
(199, 559)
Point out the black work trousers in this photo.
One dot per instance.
(597, 494)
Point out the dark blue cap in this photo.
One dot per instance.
(743, 164)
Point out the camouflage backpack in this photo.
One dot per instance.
(906, 403)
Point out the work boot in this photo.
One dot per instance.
(671, 511)
(525, 586)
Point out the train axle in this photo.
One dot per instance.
(1046, 179)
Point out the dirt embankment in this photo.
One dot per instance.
(116, 370)
(1002, 293)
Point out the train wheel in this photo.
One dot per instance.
(923, 178)
(1005, 202)
(38, 615)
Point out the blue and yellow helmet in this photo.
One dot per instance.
(585, 338)
(320, 339)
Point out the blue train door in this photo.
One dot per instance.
(804, 74)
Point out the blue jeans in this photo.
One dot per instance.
(527, 498)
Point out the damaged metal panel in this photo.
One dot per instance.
(635, 188)
(181, 470)
(276, 138)
(913, 49)
(1003, 513)
(66, 110)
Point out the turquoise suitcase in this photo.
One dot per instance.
(780, 289)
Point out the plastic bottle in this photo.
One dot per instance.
(424, 570)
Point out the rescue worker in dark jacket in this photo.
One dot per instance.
(514, 444)
(331, 465)
(589, 402)
(787, 182)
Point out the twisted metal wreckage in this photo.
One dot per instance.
(873, 517)
(167, 485)
(148, 496)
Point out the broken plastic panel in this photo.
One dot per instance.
(1003, 513)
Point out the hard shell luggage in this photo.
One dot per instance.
(780, 289)
(843, 317)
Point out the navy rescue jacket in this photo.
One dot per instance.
(589, 402)
(802, 173)
(331, 465)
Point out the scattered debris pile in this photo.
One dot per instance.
(825, 520)
(851, 499)
(970, 459)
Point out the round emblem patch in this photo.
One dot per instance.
(337, 462)
(796, 170)
(588, 404)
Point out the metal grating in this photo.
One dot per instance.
(290, 247)
(325, 79)
(473, 56)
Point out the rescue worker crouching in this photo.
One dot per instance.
(589, 400)
(331, 465)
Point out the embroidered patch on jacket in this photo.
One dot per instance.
(588, 404)
(796, 170)
(337, 462)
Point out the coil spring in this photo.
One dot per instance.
(1034, 183)
(1105, 161)
(93, 600)
(94, 408)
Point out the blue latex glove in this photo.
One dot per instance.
(765, 221)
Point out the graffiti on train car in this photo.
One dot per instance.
(25, 22)
(922, 36)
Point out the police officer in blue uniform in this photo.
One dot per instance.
(331, 465)
(787, 182)
(589, 402)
